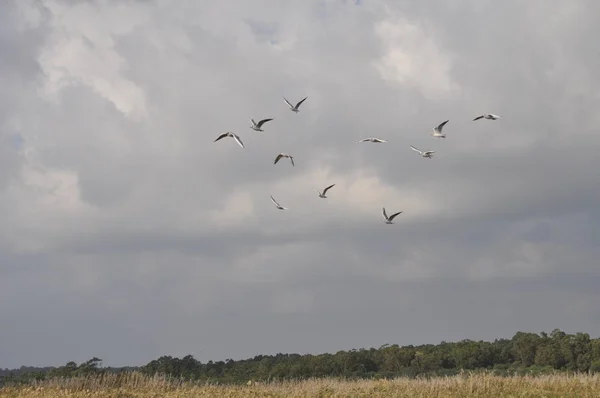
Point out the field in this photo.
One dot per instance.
(466, 385)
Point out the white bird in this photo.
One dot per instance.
(437, 131)
(284, 155)
(233, 135)
(425, 154)
(388, 220)
(372, 139)
(487, 116)
(257, 126)
(322, 194)
(280, 207)
(292, 107)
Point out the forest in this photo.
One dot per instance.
(531, 353)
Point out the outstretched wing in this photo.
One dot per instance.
(415, 149)
(300, 103)
(327, 189)
(394, 215)
(274, 201)
(478, 117)
(494, 116)
(292, 160)
(277, 158)
(288, 102)
(238, 140)
(221, 136)
(384, 214)
(259, 125)
(441, 126)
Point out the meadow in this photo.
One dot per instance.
(135, 385)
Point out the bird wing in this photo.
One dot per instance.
(288, 102)
(238, 140)
(441, 126)
(274, 201)
(263, 122)
(429, 152)
(277, 158)
(478, 117)
(300, 103)
(327, 189)
(292, 160)
(394, 215)
(385, 214)
(415, 149)
(253, 122)
(221, 136)
(496, 116)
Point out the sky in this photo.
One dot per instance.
(128, 234)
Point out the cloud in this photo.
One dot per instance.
(126, 228)
(413, 59)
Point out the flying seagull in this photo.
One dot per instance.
(280, 207)
(372, 139)
(487, 116)
(284, 155)
(292, 107)
(233, 135)
(322, 194)
(388, 220)
(257, 126)
(425, 154)
(437, 131)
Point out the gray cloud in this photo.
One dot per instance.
(128, 234)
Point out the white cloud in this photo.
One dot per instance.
(412, 58)
(81, 50)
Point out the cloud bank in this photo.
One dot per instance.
(128, 234)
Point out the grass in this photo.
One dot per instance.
(135, 385)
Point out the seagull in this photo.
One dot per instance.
(487, 116)
(257, 126)
(425, 154)
(280, 207)
(295, 108)
(372, 139)
(388, 220)
(322, 194)
(437, 131)
(284, 155)
(233, 135)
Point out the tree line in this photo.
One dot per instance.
(524, 352)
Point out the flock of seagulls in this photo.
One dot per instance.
(437, 133)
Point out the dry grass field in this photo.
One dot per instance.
(466, 385)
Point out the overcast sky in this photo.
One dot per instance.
(128, 234)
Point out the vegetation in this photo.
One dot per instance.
(524, 354)
(133, 385)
